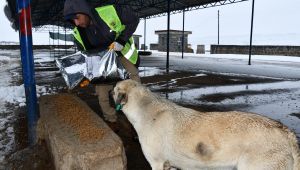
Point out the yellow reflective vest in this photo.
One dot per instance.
(109, 15)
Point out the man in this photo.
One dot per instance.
(100, 28)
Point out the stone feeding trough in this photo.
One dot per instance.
(77, 137)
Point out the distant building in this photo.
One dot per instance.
(136, 39)
(175, 41)
(143, 47)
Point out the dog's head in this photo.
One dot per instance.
(121, 91)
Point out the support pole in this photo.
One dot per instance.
(168, 37)
(182, 41)
(58, 37)
(75, 46)
(53, 40)
(251, 33)
(25, 35)
(218, 27)
(65, 39)
(49, 43)
(145, 26)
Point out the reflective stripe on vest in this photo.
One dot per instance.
(77, 36)
(130, 52)
(109, 15)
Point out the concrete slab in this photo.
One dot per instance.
(77, 137)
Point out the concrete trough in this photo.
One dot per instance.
(77, 137)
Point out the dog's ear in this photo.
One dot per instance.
(121, 99)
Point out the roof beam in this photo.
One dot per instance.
(190, 8)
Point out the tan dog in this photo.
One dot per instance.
(188, 139)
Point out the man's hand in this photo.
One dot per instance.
(84, 83)
(116, 46)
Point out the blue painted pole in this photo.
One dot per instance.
(25, 35)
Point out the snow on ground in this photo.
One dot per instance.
(42, 57)
(15, 94)
(233, 56)
(12, 94)
(6, 65)
(283, 67)
(6, 131)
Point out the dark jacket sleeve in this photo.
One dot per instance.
(78, 45)
(128, 18)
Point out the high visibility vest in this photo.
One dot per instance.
(109, 15)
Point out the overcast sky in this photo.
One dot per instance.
(275, 22)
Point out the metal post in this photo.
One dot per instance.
(58, 38)
(49, 43)
(182, 41)
(251, 33)
(53, 40)
(218, 27)
(25, 36)
(145, 34)
(65, 39)
(168, 38)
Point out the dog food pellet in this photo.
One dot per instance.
(78, 119)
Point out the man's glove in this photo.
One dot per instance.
(84, 83)
(116, 46)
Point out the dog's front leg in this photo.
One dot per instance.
(157, 165)
(167, 165)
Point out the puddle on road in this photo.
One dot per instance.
(151, 71)
(249, 96)
(278, 100)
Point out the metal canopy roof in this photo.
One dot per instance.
(49, 12)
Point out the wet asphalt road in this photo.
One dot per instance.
(193, 87)
(190, 86)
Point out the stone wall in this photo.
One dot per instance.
(143, 47)
(200, 49)
(256, 50)
(175, 43)
(153, 46)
